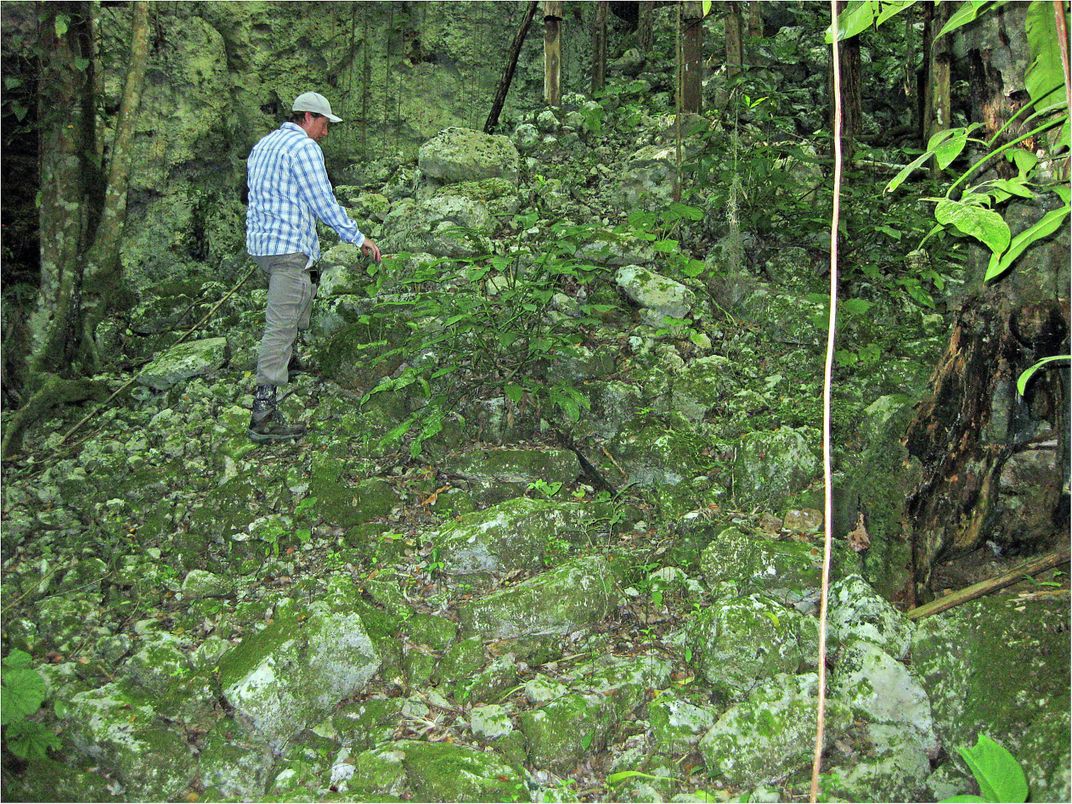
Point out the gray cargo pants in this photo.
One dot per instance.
(290, 300)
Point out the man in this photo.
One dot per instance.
(288, 190)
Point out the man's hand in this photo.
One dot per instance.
(370, 249)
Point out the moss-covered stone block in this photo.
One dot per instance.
(184, 361)
(432, 630)
(561, 734)
(120, 730)
(678, 724)
(573, 597)
(495, 475)
(462, 661)
(446, 772)
(654, 450)
(344, 504)
(786, 570)
(856, 611)
(48, 780)
(770, 735)
(513, 535)
(999, 666)
(367, 723)
(233, 763)
(772, 466)
(290, 675)
(461, 154)
(737, 641)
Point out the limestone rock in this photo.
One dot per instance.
(657, 295)
(856, 611)
(771, 734)
(201, 584)
(495, 475)
(288, 676)
(159, 663)
(232, 765)
(443, 226)
(490, 722)
(772, 466)
(572, 597)
(461, 154)
(526, 137)
(646, 180)
(999, 666)
(515, 534)
(701, 385)
(739, 640)
(615, 250)
(183, 362)
(677, 725)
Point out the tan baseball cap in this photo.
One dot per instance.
(314, 102)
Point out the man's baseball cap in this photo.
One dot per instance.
(314, 102)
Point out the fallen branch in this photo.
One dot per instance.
(1034, 566)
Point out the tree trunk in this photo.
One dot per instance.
(755, 20)
(692, 61)
(974, 435)
(735, 28)
(511, 66)
(81, 215)
(552, 52)
(599, 47)
(851, 103)
(645, 26)
(939, 57)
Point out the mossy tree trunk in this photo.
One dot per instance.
(851, 96)
(937, 101)
(974, 426)
(692, 57)
(735, 32)
(552, 52)
(599, 46)
(645, 26)
(82, 210)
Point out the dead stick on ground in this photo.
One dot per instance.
(131, 381)
(977, 590)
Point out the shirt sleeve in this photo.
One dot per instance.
(315, 188)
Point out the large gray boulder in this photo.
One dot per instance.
(646, 180)
(856, 611)
(772, 466)
(183, 362)
(294, 672)
(443, 226)
(495, 475)
(462, 154)
(657, 296)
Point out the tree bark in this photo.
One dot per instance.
(851, 102)
(735, 28)
(599, 46)
(937, 101)
(511, 67)
(552, 52)
(692, 61)
(645, 26)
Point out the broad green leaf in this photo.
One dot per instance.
(982, 224)
(29, 739)
(964, 797)
(1025, 161)
(1063, 192)
(999, 775)
(20, 110)
(1047, 225)
(1044, 72)
(62, 23)
(889, 231)
(950, 149)
(854, 20)
(1016, 188)
(968, 12)
(81, 64)
(513, 392)
(941, 136)
(896, 181)
(23, 693)
(1021, 383)
(857, 306)
(706, 6)
(687, 212)
(892, 8)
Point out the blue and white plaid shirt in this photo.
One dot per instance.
(288, 190)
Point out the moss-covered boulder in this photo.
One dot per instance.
(368, 723)
(199, 584)
(678, 724)
(786, 570)
(772, 466)
(232, 764)
(655, 450)
(356, 356)
(513, 535)
(893, 740)
(788, 318)
(615, 249)
(561, 734)
(495, 475)
(1000, 666)
(462, 154)
(737, 641)
(646, 180)
(856, 611)
(657, 296)
(120, 730)
(498, 195)
(295, 671)
(702, 384)
(159, 663)
(343, 503)
(48, 780)
(573, 597)
(771, 734)
(443, 226)
(179, 363)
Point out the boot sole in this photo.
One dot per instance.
(267, 438)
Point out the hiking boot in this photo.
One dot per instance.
(298, 366)
(266, 423)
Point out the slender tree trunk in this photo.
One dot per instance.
(511, 65)
(939, 62)
(735, 28)
(692, 57)
(552, 52)
(599, 47)
(103, 275)
(645, 26)
(755, 20)
(851, 102)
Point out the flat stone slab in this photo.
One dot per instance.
(184, 362)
